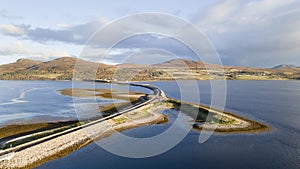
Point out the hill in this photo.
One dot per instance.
(57, 69)
(20, 64)
(285, 66)
(176, 63)
(63, 69)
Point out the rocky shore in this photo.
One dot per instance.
(147, 113)
(65, 144)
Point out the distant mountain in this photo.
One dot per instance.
(285, 66)
(132, 65)
(59, 69)
(59, 64)
(63, 69)
(20, 64)
(64, 64)
(186, 63)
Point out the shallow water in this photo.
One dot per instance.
(40, 101)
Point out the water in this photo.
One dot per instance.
(275, 103)
(21, 101)
(40, 101)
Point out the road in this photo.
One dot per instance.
(158, 94)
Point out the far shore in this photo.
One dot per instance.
(158, 80)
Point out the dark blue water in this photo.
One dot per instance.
(275, 103)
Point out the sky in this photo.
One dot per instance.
(255, 33)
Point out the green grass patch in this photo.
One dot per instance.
(119, 119)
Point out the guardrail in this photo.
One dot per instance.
(156, 91)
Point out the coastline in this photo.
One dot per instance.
(147, 113)
(249, 126)
(158, 80)
(68, 143)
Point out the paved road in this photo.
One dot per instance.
(157, 95)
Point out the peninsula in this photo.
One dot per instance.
(19, 150)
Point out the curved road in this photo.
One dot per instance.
(157, 95)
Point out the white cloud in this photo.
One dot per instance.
(250, 32)
(12, 30)
(77, 34)
(17, 48)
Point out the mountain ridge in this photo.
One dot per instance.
(63, 69)
(285, 66)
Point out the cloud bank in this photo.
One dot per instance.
(255, 33)
(18, 48)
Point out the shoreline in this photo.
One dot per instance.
(55, 80)
(65, 144)
(220, 121)
(146, 112)
(68, 143)
(25, 156)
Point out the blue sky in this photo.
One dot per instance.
(258, 33)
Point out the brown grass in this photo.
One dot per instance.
(103, 93)
(203, 113)
(23, 129)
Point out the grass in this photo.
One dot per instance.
(115, 107)
(138, 115)
(227, 121)
(202, 115)
(119, 119)
(18, 129)
(189, 109)
(40, 135)
(24, 129)
(255, 77)
(83, 143)
(103, 93)
(49, 76)
(14, 131)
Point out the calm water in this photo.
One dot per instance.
(275, 103)
(39, 101)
